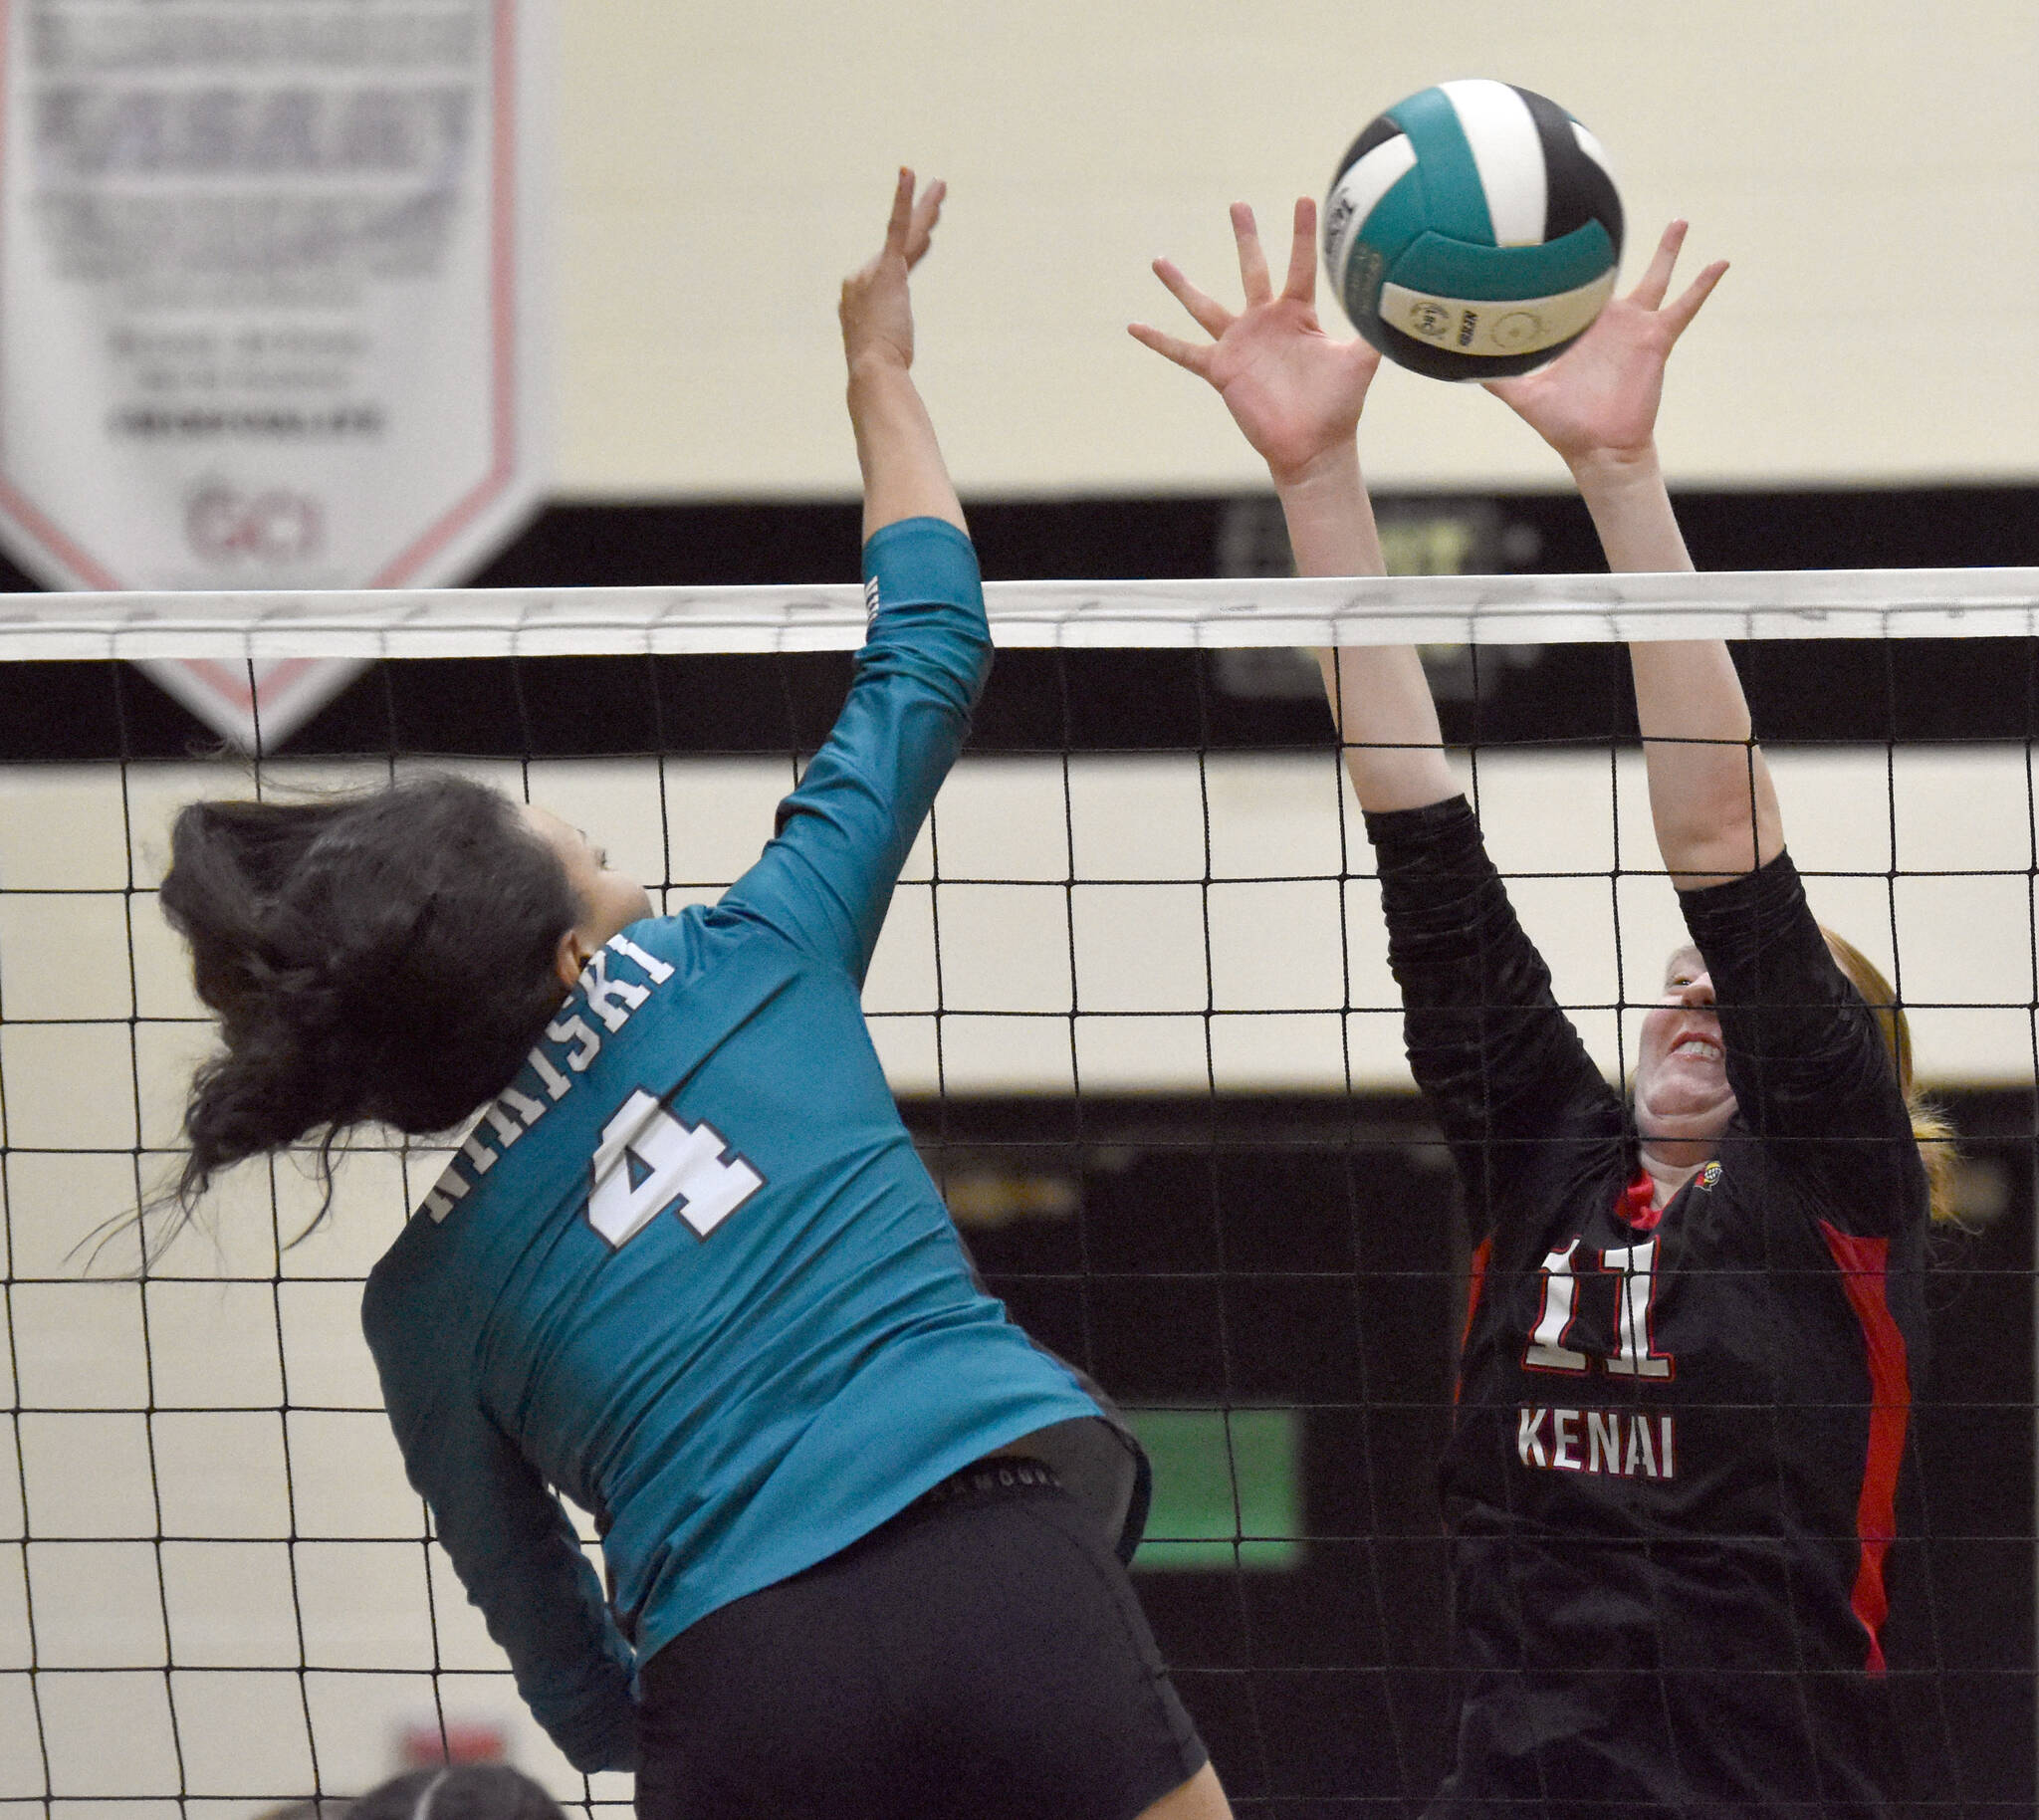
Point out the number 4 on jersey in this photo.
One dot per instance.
(648, 1161)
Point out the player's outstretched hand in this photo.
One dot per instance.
(1599, 399)
(877, 308)
(1294, 391)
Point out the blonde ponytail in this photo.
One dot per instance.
(1938, 1149)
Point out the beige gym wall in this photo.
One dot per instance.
(1871, 169)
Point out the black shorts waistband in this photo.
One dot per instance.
(1005, 1473)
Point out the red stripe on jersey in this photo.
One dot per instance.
(1475, 1283)
(1861, 1263)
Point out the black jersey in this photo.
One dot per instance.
(1670, 1480)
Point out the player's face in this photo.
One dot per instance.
(1681, 1091)
(609, 901)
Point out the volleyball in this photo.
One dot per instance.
(1473, 231)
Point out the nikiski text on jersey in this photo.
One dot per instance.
(607, 999)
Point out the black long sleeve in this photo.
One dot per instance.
(1811, 1076)
(1498, 1060)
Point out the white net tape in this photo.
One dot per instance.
(1182, 615)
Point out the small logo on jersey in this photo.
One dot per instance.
(870, 600)
(1709, 1174)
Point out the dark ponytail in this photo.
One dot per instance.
(383, 958)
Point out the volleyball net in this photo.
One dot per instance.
(1134, 998)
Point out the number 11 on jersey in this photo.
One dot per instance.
(648, 1161)
(1634, 1268)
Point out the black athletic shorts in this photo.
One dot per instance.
(980, 1655)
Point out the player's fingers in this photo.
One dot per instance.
(1302, 284)
(1206, 312)
(920, 231)
(1679, 314)
(1655, 279)
(1252, 261)
(901, 223)
(1186, 354)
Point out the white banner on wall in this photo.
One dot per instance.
(271, 305)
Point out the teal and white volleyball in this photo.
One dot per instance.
(1473, 231)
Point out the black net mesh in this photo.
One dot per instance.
(1133, 996)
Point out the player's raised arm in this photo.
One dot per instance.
(1296, 396)
(1710, 794)
(904, 474)
(1487, 1043)
(825, 881)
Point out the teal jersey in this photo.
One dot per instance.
(688, 1269)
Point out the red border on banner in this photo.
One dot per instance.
(503, 313)
(503, 323)
(229, 681)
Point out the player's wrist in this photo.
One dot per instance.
(1333, 468)
(1616, 470)
(878, 363)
